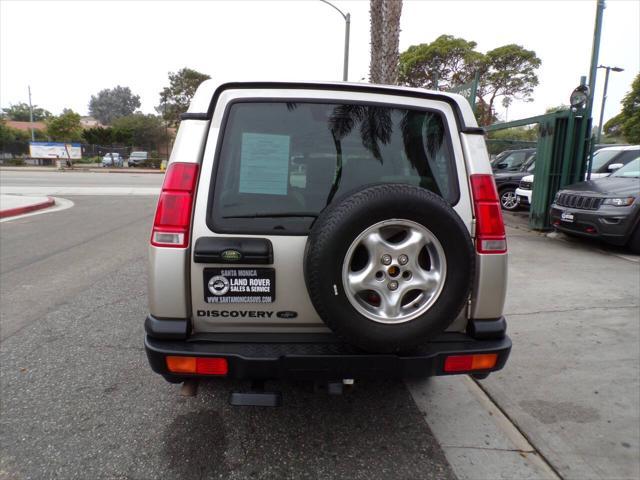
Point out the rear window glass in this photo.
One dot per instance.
(281, 163)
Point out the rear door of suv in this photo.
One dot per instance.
(270, 166)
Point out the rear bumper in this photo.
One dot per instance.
(320, 357)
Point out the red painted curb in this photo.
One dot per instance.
(12, 212)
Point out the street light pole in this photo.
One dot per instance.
(347, 28)
(33, 137)
(604, 95)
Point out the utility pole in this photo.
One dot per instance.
(33, 137)
(595, 51)
(604, 95)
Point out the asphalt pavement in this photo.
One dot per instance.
(70, 178)
(78, 400)
(73, 182)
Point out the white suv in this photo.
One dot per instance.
(327, 231)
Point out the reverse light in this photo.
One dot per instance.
(490, 233)
(172, 222)
(469, 363)
(197, 365)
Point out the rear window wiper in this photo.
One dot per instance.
(274, 215)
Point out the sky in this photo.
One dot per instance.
(68, 50)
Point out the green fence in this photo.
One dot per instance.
(561, 156)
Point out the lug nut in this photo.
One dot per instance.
(403, 259)
(386, 259)
(393, 285)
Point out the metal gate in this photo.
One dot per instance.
(561, 157)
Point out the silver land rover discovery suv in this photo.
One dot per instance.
(327, 231)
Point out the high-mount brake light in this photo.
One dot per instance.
(173, 215)
(490, 233)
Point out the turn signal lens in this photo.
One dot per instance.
(468, 363)
(181, 364)
(198, 365)
(490, 233)
(173, 214)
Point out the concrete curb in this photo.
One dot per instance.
(12, 212)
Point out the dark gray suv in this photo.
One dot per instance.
(605, 208)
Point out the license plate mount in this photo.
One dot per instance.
(566, 217)
(239, 285)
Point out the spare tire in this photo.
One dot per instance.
(389, 267)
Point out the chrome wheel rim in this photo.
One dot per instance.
(394, 271)
(509, 200)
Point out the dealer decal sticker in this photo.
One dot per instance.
(239, 285)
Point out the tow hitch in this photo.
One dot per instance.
(256, 397)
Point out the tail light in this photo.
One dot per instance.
(173, 215)
(469, 363)
(490, 234)
(197, 365)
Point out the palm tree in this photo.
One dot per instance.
(385, 36)
(375, 125)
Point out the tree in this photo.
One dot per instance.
(613, 127)
(511, 138)
(385, 36)
(174, 99)
(139, 130)
(510, 72)
(20, 113)
(110, 104)
(447, 60)
(98, 135)
(65, 127)
(10, 135)
(558, 108)
(507, 71)
(631, 113)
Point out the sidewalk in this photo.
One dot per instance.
(12, 205)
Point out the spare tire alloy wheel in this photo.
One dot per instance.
(389, 267)
(509, 199)
(399, 281)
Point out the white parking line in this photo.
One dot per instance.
(479, 441)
